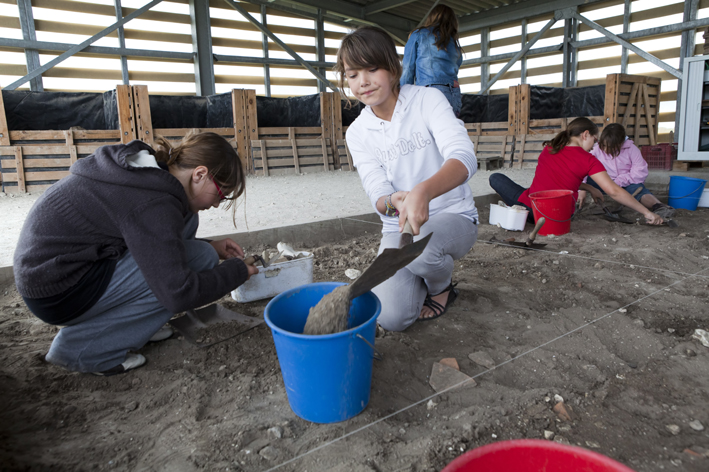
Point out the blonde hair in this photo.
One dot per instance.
(366, 47)
(212, 151)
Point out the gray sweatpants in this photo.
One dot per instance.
(125, 317)
(402, 296)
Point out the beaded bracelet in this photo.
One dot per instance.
(390, 208)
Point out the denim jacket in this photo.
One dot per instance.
(425, 65)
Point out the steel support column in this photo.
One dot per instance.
(686, 50)
(264, 43)
(485, 66)
(122, 42)
(28, 34)
(524, 50)
(523, 61)
(202, 48)
(79, 47)
(626, 28)
(280, 43)
(320, 46)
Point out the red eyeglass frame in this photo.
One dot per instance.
(222, 197)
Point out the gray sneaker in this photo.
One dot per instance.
(663, 210)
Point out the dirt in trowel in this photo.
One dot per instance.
(329, 316)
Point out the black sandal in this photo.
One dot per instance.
(436, 307)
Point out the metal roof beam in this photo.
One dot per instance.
(382, 5)
(516, 12)
(283, 45)
(39, 71)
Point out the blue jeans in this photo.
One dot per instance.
(126, 316)
(453, 96)
(403, 294)
(628, 188)
(510, 192)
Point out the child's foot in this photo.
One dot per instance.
(663, 210)
(436, 306)
(133, 361)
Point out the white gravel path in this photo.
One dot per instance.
(270, 202)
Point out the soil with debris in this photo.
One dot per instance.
(600, 323)
(329, 316)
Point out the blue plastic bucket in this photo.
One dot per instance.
(327, 377)
(685, 192)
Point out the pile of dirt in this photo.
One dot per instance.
(601, 319)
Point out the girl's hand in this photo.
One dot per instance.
(597, 195)
(228, 249)
(653, 219)
(415, 209)
(253, 270)
(397, 199)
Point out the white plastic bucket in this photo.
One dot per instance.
(704, 200)
(507, 217)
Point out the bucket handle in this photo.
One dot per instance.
(680, 198)
(377, 355)
(534, 204)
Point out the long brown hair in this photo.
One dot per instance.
(212, 151)
(444, 25)
(575, 128)
(366, 47)
(612, 139)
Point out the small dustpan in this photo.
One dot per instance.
(213, 324)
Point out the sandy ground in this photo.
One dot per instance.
(602, 317)
(269, 202)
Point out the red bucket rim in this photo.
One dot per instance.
(535, 444)
(544, 194)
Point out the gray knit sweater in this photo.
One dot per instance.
(103, 208)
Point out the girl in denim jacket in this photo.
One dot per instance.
(433, 55)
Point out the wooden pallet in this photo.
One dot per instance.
(527, 149)
(686, 165)
(492, 148)
(291, 156)
(634, 102)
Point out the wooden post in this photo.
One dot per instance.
(142, 118)
(325, 121)
(241, 132)
(523, 140)
(21, 184)
(523, 112)
(294, 145)
(251, 120)
(337, 135)
(512, 109)
(610, 107)
(264, 158)
(324, 143)
(69, 134)
(4, 132)
(126, 125)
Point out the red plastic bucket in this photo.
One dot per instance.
(556, 206)
(533, 455)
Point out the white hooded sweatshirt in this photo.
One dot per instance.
(397, 155)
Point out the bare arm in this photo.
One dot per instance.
(620, 195)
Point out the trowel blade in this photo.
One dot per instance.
(194, 323)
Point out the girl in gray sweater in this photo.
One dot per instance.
(109, 252)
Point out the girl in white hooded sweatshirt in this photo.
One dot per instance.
(414, 158)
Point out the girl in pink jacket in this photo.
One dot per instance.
(626, 167)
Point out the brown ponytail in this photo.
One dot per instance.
(575, 128)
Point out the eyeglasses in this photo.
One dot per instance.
(222, 197)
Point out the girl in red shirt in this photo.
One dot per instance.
(563, 165)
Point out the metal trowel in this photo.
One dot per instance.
(529, 244)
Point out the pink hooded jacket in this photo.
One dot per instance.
(628, 168)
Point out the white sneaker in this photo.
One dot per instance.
(133, 361)
(162, 334)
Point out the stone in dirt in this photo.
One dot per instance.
(443, 377)
(329, 316)
(696, 425)
(562, 411)
(483, 359)
(548, 434)
(450, 362)
(673, 428)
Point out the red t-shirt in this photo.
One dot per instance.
(564, 170)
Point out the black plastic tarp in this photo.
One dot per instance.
(287, 112)
(174, 111)
(484, 108)
(34, 111)
(554, 102)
